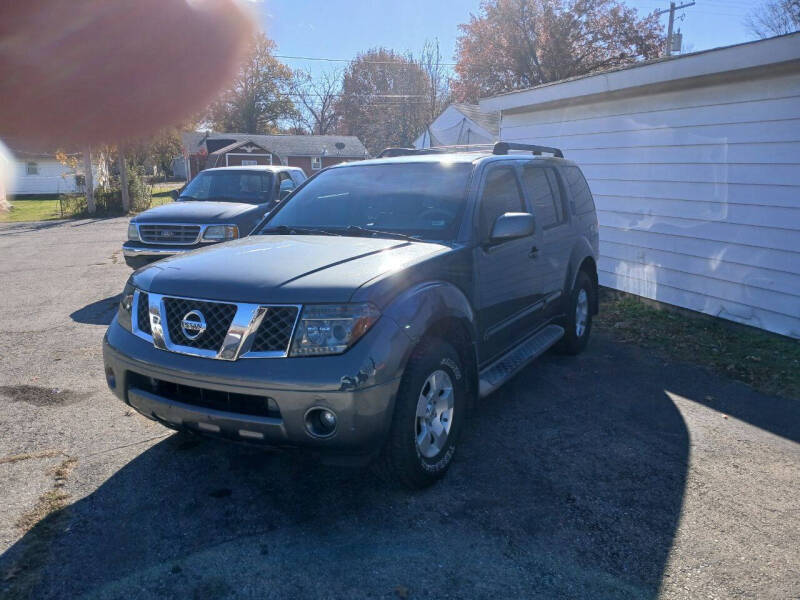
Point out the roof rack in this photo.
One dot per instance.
(504, 147)
(498, 148)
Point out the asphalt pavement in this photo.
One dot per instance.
(612, 474)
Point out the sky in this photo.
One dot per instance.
(340, 29)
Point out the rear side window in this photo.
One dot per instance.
(546, 204)
(501, 194)
(579, 190)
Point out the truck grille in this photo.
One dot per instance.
(275, 331)
(143, 313)
(155, 233)
(218, 318)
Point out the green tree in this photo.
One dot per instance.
(259, 96)
(515, 44)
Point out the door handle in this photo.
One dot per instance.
(534, 252)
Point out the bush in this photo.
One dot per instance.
(108, 199)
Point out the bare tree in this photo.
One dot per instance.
(776, 17)
(430, 61)
(317, 99)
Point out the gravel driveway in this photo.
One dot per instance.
(609, 475)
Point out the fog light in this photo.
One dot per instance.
(320, 422)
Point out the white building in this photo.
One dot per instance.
(461, 124)
(694, 162)
(41, 173)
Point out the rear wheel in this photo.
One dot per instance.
(578, 321)
(428, 416)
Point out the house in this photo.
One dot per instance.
(309, 152)
(694, 162)
(37, 171)
(461, 124)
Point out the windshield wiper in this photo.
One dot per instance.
(291, 230)
(366, 232)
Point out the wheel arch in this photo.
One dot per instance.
(582, 259)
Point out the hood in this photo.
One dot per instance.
(197, 212)
(282, 268)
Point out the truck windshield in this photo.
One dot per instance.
(424, 200)
(251, 187)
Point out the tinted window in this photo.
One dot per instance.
(420, 199)
(546, 205)
(501, 194)
(252, 187)
(579, 190)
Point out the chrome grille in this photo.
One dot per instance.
(143, 313)
(275, 331)
(218, 317)
(165, 233)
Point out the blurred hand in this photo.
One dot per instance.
(83, 71)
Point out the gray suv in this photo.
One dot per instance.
(368, 312)
(216, 206)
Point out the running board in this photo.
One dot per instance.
(503, 369)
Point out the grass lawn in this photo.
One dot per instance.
(161, 192)
(32, 209)
(768, 362)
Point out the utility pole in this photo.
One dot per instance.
(88, 180)
(671, 10)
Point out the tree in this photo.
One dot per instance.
(776, 17)
(514, 44)
(318, 101)
(259, 96)
(383, 99)
(438, 92)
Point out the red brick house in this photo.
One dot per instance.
(309, 152)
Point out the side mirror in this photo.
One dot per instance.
(174, 194)
(284, 193)
(511, 225)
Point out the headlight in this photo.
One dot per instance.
(133, 232)
(125, 307)
(220, 233)
(331, 328)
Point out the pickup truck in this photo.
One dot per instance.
(217, 205)
(366, 315)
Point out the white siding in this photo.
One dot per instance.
(697, 193)
(52, 178)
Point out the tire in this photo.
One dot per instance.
(575, 337)
(418, 465)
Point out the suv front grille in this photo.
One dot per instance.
(143, 313)
(153, 233)
(275, 331)
(243, 404)
(218, 318)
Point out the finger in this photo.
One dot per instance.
(85, 71)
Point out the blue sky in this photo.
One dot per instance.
(342, 28)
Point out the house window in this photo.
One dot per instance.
(316, 163)
(249, 163)
(32, 168)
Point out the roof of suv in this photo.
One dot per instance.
(452, 157)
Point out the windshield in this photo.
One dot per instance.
(423, 200)
(251, 187)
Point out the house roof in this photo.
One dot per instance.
(283, 145)
(489, 120)
(673, 72)
(23, 149)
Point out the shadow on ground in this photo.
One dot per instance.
(100, 312)
(569, 484)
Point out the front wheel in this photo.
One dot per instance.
(428, 416)
(578, 322)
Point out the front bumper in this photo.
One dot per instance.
(138, 254)
(359, 386)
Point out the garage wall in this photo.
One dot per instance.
(697, 191)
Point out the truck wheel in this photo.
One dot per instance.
(578, 322)
(428, 415)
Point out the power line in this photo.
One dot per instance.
(349, 60)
